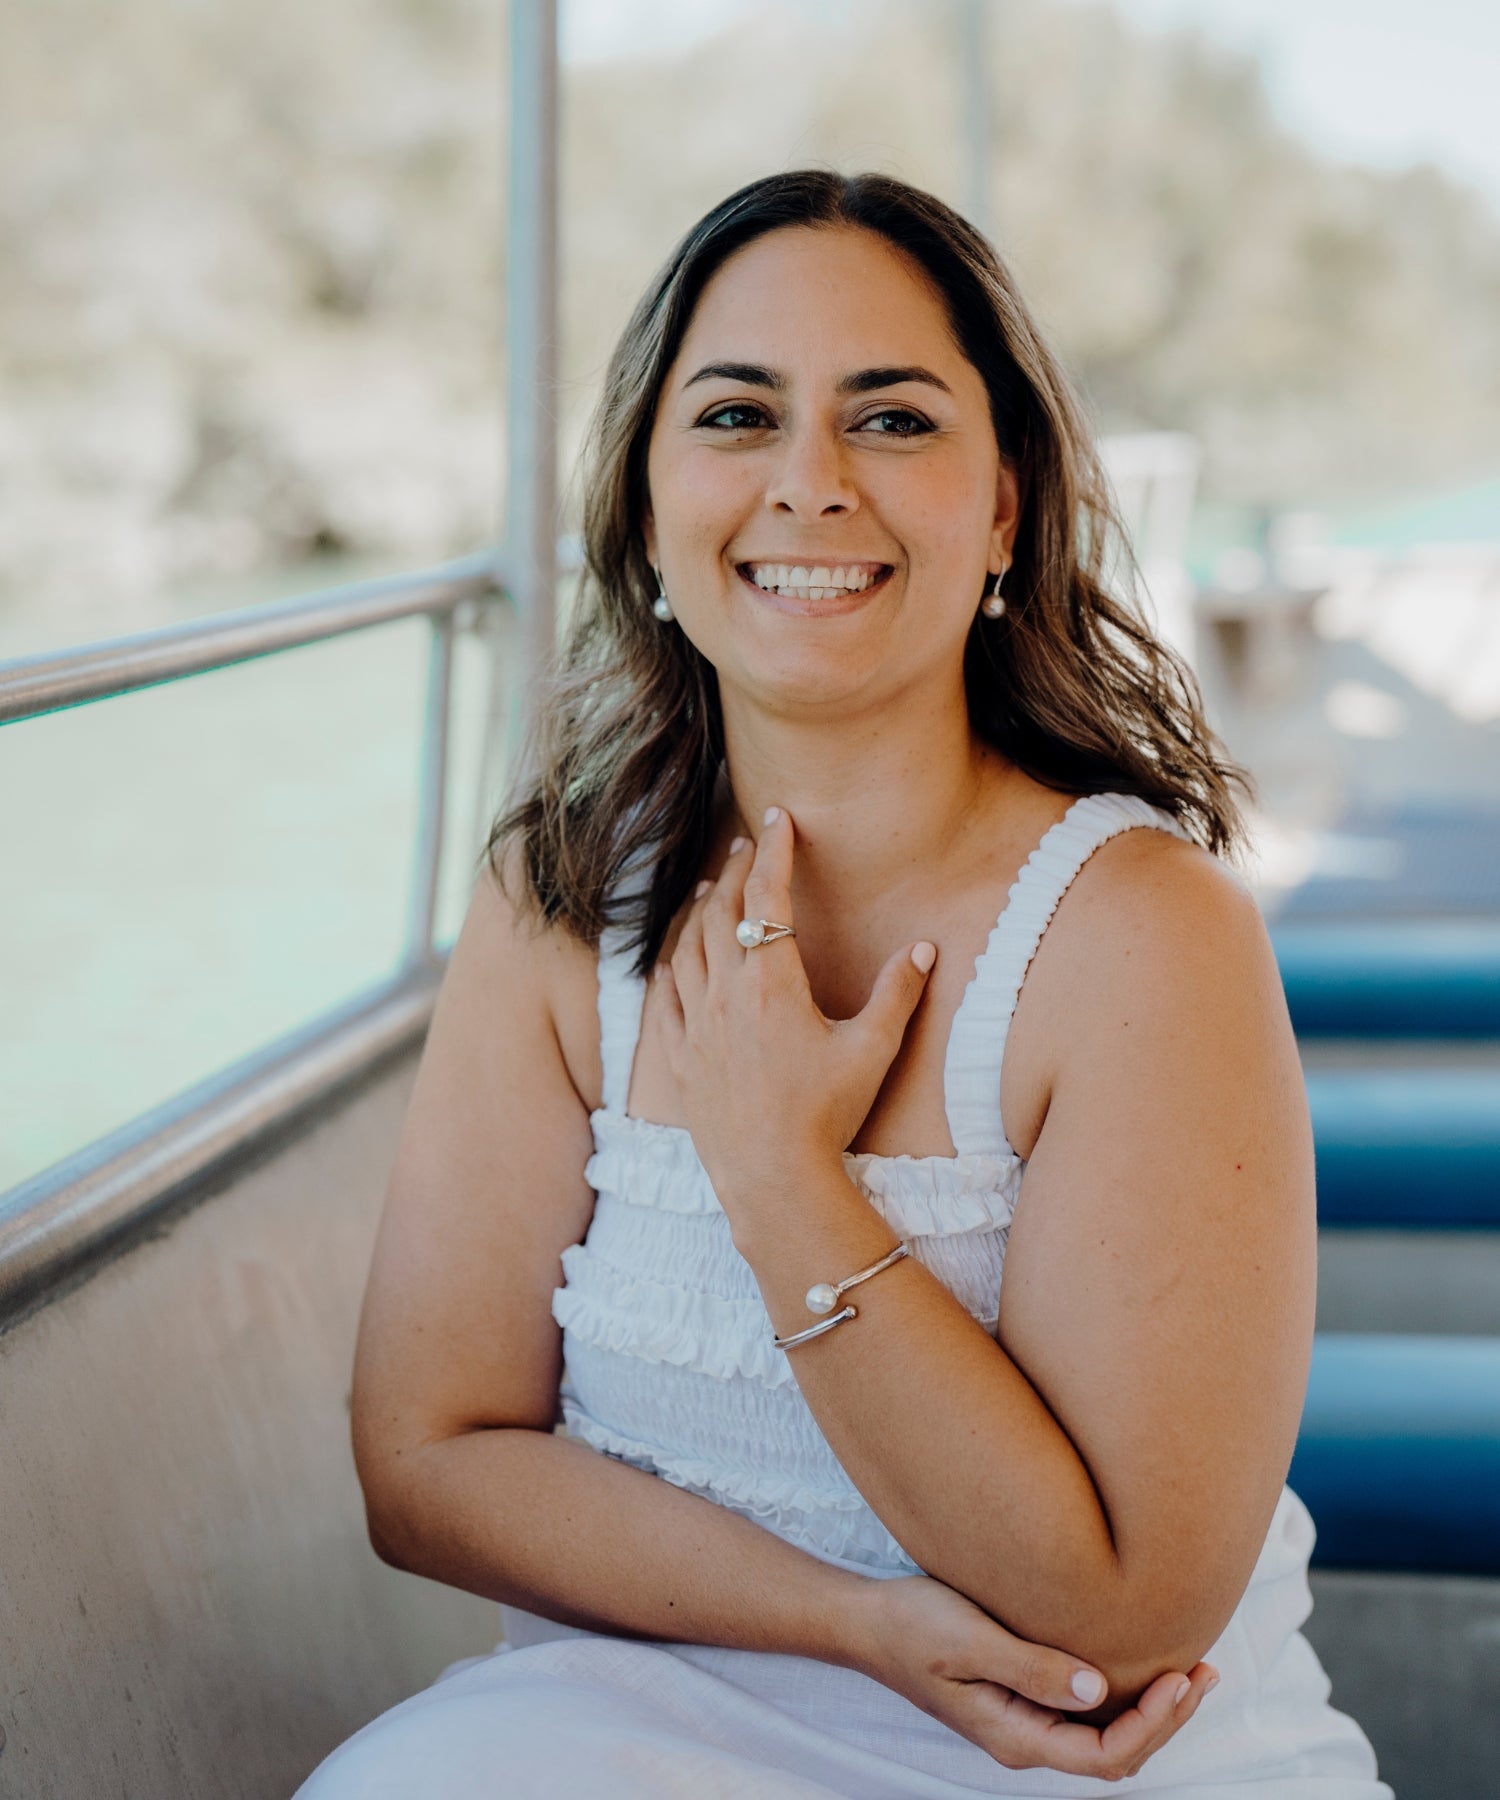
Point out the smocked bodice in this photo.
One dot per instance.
(667, 1345)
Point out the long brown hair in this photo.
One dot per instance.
(1070, 683)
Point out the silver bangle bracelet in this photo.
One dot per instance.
(801, 1337)
(823, 1296)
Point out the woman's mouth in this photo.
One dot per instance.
(814, 588)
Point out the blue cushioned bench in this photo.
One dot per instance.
(1398, 1457)
(1404, 978)
(1416, 1147)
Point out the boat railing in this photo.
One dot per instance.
(61, 1223)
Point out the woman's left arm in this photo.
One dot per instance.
(1100, 1478)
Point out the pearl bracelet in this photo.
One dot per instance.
(823, 1296)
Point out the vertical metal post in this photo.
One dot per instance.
(530, 533)
(974, 78)
(432, 789)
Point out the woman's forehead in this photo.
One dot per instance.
(818, 298)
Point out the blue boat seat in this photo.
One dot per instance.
(1398, 1457)
(1437, 978)
(1417, 1147)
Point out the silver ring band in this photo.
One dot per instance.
(752, 933)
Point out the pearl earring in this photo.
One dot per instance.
(661, 605)
(994, 601)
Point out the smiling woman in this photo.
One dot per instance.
(767, 477)
(1070, 684)
(854, 747)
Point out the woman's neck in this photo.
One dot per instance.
(875, 807)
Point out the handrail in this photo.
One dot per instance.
(56, 679)
(61, 1224)
(65, 1220)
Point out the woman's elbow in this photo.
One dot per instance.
(384, 1526)
(384, 1468)
(383, 1546)
(1143, 1639)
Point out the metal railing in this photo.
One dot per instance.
(66, 1219)
(58, 1226)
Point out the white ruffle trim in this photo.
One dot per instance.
(658, 1322)
(939, 1196)
(976, 1044)
(837, 1521)
(646, 1164)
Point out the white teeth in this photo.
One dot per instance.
(818, 583)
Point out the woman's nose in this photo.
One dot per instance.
(811, 478)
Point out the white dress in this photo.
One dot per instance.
(669, 1365)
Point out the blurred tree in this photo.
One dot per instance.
(250, 259)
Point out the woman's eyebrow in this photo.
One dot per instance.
(748, 374)
(862, 381)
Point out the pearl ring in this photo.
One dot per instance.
(752, 933)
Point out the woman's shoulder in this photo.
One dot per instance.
(1151, 882)
(560, 967)
(1157, 915)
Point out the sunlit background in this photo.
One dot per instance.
(251, 334)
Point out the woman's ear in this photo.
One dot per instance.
(648, 533)
(1007, 516)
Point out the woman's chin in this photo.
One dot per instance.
(801, 680)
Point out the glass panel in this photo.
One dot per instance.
(195, 870)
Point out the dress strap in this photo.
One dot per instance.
(976, 1043)
(622, 1000)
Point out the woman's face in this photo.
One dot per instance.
(827, 500)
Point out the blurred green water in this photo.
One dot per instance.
(189, 872)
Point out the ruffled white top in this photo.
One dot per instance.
(667, 1345)
(670, 1364)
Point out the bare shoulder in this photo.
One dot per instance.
(1154, 936)
(508, 945)
(1150, 905)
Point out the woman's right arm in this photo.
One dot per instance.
(459, 1359)
(455, 1397)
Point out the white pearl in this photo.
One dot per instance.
(822, 1297)
(750, 932)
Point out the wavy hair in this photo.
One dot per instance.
(616, 806)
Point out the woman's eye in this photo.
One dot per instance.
(738, 417)
(896, 421)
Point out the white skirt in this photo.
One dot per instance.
(561, 1714)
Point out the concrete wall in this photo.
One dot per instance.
(189, 1607)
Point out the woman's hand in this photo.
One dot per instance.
(767, 1081)
(944, 1654)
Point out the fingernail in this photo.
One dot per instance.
(1184, 1688)
(1210, 1685)
(1087, 1687)
(738, 844)
(701, 889)
(773, 813)
(924, 956)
